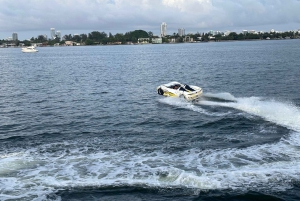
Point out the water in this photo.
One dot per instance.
(86, 123)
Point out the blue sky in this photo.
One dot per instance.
(35, 17)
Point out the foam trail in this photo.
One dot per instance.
(182, 103)
(222, 96)
(284, 114)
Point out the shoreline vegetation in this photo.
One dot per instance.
(143, 37)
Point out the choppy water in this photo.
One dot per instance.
(86, 123)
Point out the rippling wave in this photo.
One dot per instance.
(82, 132)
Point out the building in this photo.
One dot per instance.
(156, 40)
(143, 40)
(69, 43)
(14, 36)
(172, 40)
(226, 33)
(245, 32)
(188, 39)
(58, 34)
(163, 29)
(52, 33)
(217, 33)
(181, 32)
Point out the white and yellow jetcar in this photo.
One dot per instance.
(175, 89)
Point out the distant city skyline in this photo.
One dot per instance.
(30, 18)
(179, 31)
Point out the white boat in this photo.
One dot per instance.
(176, 90)
(29, 49)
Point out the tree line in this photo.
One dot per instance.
(259, 36)
(96, 38)
(102, 38)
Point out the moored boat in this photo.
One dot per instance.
(29, 49)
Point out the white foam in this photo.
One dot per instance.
(182, 103)
(284, 114)
(271, 166)
(262, 165)
(40, 171)
(224, 96)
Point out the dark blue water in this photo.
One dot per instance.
(86, 123)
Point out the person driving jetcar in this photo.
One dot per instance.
(178, 87)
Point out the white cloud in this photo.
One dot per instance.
(128, 15)
(191, 6)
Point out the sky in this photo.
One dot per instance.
(31, 18)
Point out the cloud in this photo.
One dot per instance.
(192, 6)
(128, 15)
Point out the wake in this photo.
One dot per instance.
(35, 173)
(281, 113)
(284, 114)
(271, 166)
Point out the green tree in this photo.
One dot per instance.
(165, 40)
(98, 37)
(134, 39)
(205, 37)
(111, 38)
(233, 36)
(239, 36)
(218, 37)
(150, 34)
(27, 43)
(89, 42)
(119, 37)
(68, 37)
(83, 37)
(41, 39)
(134, 35)
(51, 42)
(76, 38)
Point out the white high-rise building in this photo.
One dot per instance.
(181, 32)
(52, 33)
(163, 29)
(14, 36)
(58, 34)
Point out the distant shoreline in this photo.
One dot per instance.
(195, 42)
